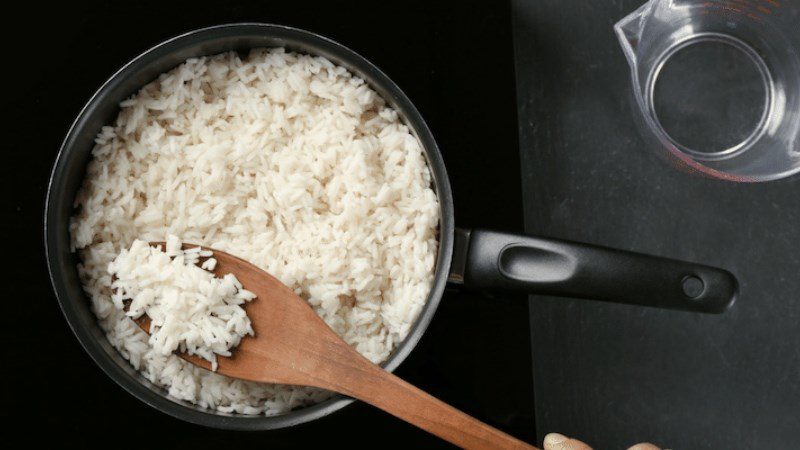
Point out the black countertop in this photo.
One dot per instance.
(616, 375)
(455, 61)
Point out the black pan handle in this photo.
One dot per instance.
(493, 260)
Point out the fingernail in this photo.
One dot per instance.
(554, 439)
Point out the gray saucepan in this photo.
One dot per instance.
(472, 259)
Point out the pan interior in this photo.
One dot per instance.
(69, 170)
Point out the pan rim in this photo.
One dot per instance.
(135, 384)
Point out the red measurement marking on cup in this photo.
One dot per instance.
(755, 10)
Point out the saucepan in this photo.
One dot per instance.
(474, 259)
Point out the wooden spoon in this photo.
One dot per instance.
(292, 345)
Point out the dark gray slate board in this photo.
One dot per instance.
(615, 375)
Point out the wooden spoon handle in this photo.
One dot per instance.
(393, 395)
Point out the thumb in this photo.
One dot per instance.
(644, 446)
(555, 441)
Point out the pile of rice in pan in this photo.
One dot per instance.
(282, 159)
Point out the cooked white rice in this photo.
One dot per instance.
(285, 160)
(190, 310)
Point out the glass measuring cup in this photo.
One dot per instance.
(718, 83)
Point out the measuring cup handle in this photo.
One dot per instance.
(495, 260)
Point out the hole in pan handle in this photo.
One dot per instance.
(493, 260)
